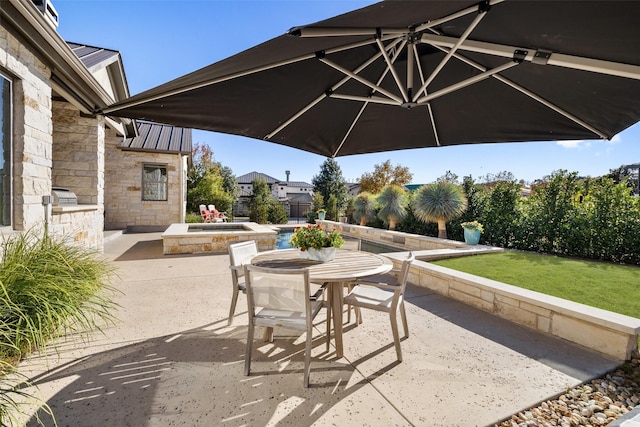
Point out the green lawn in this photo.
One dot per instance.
(608, 286)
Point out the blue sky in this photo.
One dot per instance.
(161, 40)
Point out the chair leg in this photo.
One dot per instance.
(405, 325)
(268, 334)
(329, 321)
(396, 335)
(349, 307)
(234, 301)
(247, 354)
(307, 357)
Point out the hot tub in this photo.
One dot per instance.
(215, 237)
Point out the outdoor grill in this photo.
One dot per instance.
(64, 197)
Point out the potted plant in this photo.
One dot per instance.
(472, 231)
(316, 243)
(321, 214)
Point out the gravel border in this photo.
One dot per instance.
(596, 403)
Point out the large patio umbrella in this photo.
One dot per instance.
(410, 74)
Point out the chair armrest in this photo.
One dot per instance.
(239, 268)
(380, 286)
(318, 293)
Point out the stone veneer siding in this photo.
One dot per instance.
(32, 130)
(124, 206)
(78, 164)
(37, 138)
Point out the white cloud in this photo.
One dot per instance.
(616, 139)
(579, 144)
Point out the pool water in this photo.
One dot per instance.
(282, 239)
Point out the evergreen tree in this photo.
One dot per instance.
(260, 201)
(331, 182)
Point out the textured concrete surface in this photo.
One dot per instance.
(172, 360)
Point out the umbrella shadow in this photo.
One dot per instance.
(150, 249)
(196, 378)
(571, 359)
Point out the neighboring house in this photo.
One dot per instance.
(51, 136)
(296, 196)
(353, 189)
(146, 178)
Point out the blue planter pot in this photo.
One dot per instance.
(321, 215)
(471, 236)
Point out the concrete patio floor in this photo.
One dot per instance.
(172, 360)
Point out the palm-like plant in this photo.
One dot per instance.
(364, 207)
(392, 201)
(439, 202)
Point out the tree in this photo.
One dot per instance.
(392, 201)
(208, 182)
(439, 202)
(384, 174)
(364, 206)
(259, 201)
(448, 177)
(331, 182)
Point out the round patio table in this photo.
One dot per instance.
(347, 266)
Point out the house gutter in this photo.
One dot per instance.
(69, 75)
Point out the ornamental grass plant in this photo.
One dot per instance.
(47, 289)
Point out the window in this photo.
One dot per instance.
(5, 150)
(154, 182)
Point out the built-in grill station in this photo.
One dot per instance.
(64, 197)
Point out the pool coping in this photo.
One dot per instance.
(177, 239)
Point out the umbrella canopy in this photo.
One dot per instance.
(411, 74)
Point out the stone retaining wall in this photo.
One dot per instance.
(609, 333)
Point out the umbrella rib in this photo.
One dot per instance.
(333, 88)
(459, 14)
(361, 80)
(353, 124)
(540, 57)
(366, 102)
(429, 109)
(449, 54)
(531, 94)
(467, 82)
(221, 79)
(391, 68)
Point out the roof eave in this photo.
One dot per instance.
(76, 83)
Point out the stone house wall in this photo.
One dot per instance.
(47, 137)
(31, 131)
(124, 206)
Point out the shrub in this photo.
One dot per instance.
(49, 288)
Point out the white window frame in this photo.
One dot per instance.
(147, 195)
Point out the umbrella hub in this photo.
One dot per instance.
(409, 105)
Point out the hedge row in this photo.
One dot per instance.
(565, 215)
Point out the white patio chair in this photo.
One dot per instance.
(238, 253)
(282, 297)
(384, 293)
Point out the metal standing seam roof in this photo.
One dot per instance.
(92, 56)
(251, 176)
(300, 184)
(159, 138)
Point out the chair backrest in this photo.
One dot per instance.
(278, 289)
(403, 276)
(239, 252)
(212, 208)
